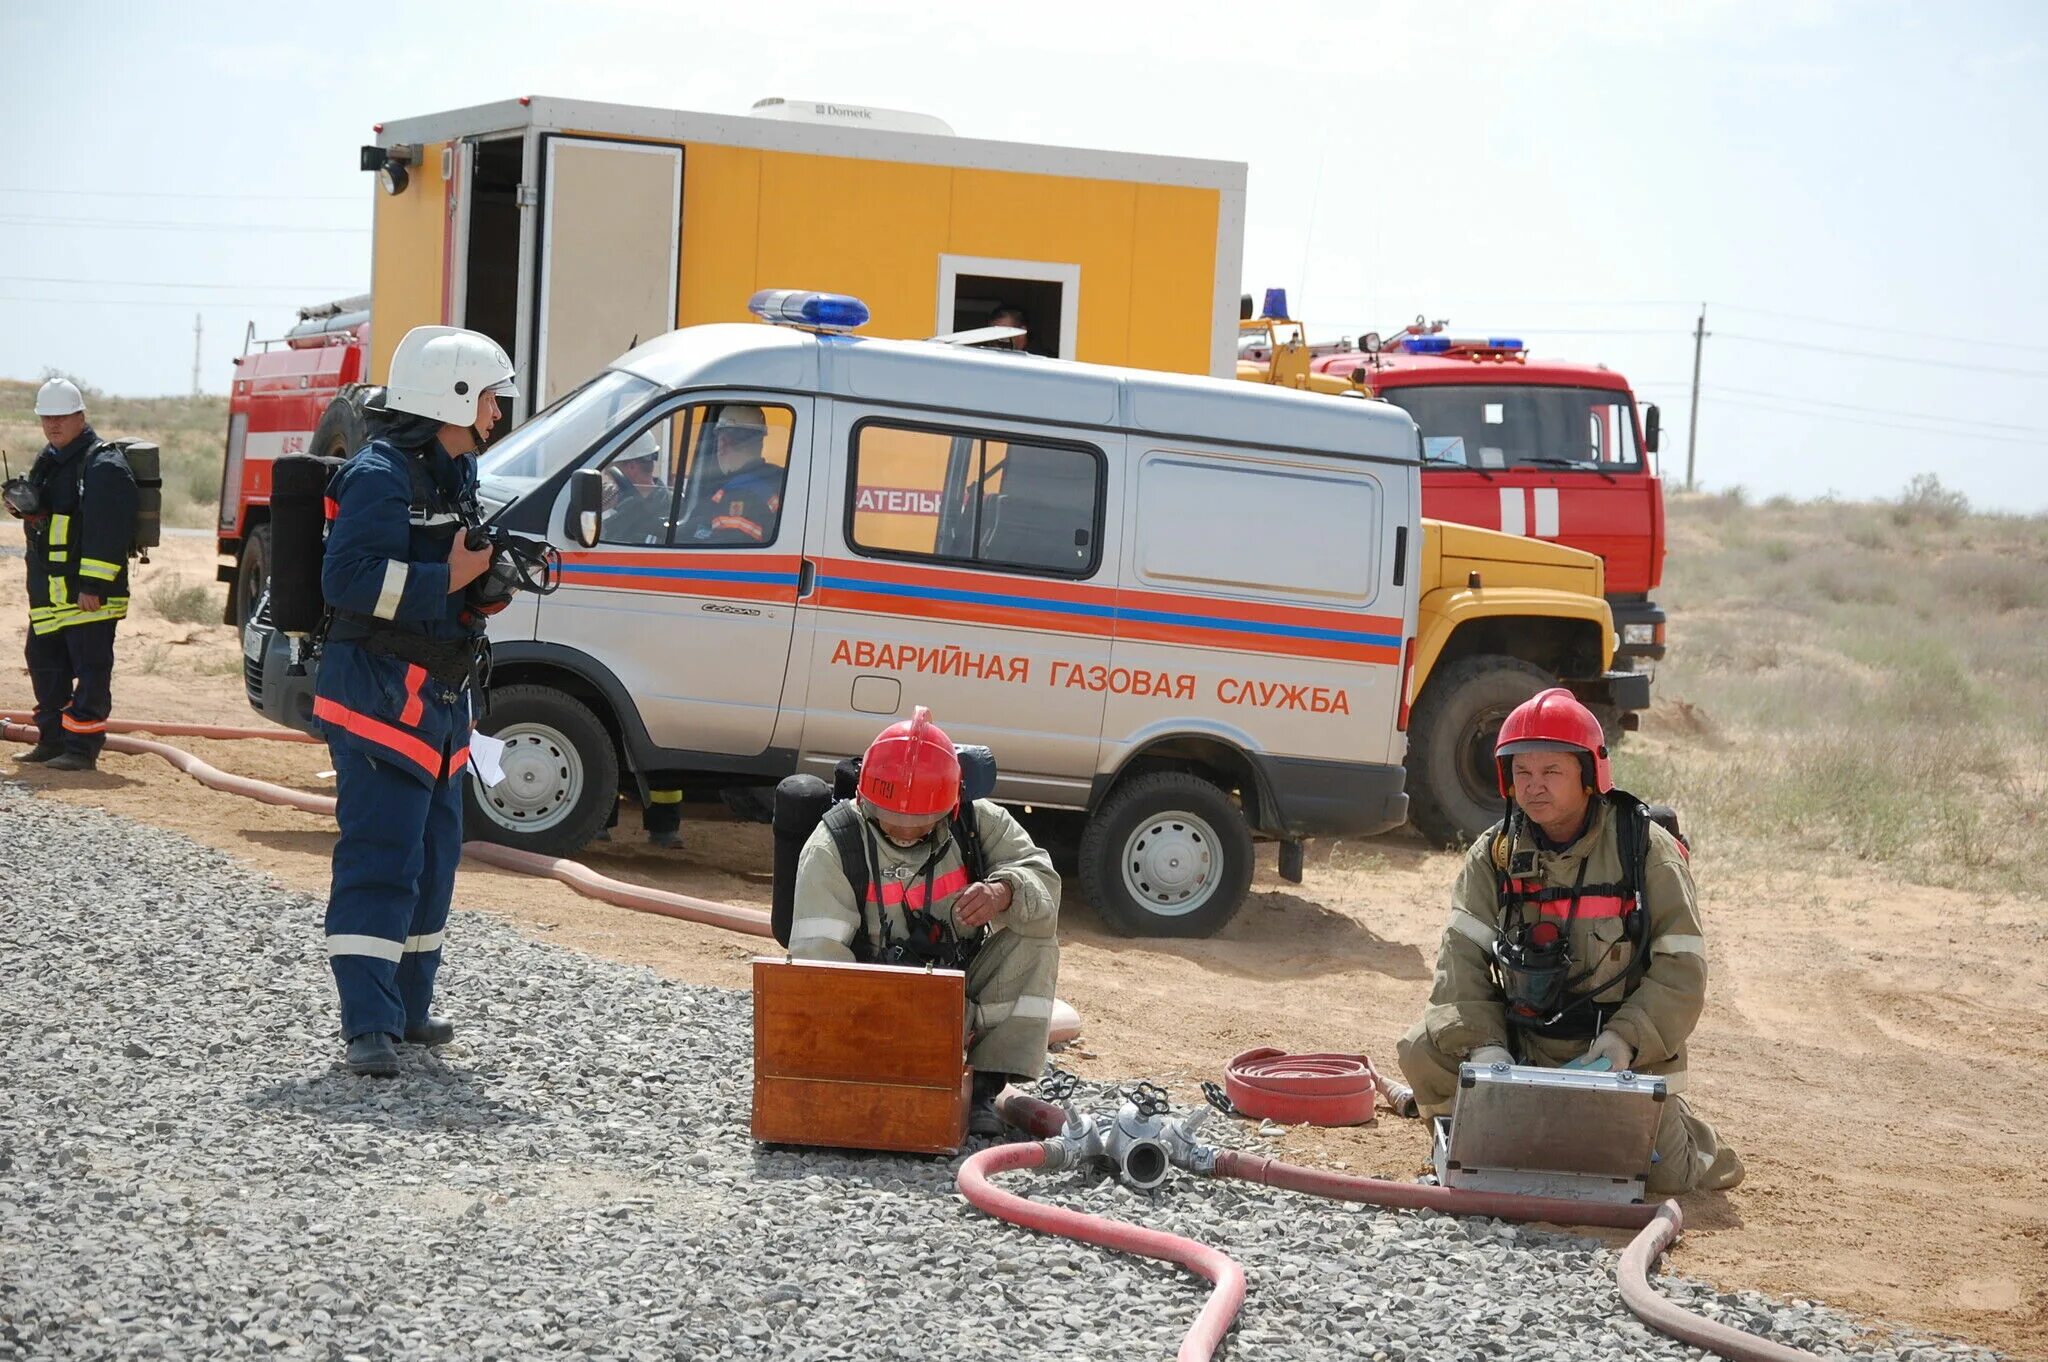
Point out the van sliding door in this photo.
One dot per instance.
(611, 224)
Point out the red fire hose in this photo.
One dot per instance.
(1226, 1297)
(1659, 1227)
(1318, 1090)
(1066, 1022)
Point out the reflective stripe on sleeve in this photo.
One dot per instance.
(60, 530)
(429, 942)
(395, 574)
(1473, 930)
(1030, 1006)
(100, 568)
(1676, 943)
(376, 947)
(820, 929)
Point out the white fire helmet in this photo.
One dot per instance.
(440, 372)
(59, 397)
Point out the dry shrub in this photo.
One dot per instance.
(1925, 499)
(182, 604)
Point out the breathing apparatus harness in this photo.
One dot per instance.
(1532, 960)
(518, 563)
(930, 940)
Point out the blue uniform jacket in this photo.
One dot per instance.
(744, 509)
(388, 560)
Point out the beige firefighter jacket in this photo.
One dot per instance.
(1466, 1008)
(824, 920)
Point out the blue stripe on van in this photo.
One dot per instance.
(689, 574)
(1112, 612)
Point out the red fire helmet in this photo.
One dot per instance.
(911, 769)
(1552, 721)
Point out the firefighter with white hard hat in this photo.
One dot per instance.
(943, 884)
(77, 504)
(1574, 940)
(394, 701)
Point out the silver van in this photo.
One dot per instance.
(1177, 608)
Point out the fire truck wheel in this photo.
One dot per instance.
(1167, 854)
(253, 575)
(340, 432)
(1453, 794)
(561, 774)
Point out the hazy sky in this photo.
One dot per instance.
(1830, 178)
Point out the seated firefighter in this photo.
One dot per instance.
(904, 874)
(1574, 940)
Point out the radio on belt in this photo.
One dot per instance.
(1573, 1133)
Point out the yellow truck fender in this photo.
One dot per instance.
(1442, 612)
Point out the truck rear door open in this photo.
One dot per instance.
(610, 232)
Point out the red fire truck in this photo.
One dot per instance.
(1545, 448)
(283, 402)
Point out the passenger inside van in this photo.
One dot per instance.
(737, 499)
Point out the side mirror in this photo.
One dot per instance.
(1651, 428)
(586, 506)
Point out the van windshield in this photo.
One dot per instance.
(535, 452)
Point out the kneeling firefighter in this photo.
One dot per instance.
(402, 649)
(906, 873)
(1574, 940)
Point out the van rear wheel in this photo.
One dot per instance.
(561, 774)
(1168, 854)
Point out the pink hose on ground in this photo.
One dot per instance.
(162, 730)
(1066, 1022)
(1632, 1276)
(1214, 1264)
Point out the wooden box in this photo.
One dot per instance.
(860, 1056)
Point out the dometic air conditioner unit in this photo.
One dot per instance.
(849, 116)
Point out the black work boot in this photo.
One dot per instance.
(42, 751)
(667, 841)
(431, 1030)
(982, 1117)
(72, 761)
(373, 1054)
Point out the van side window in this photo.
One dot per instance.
(975, 497)
(709, 475)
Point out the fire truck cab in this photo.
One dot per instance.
(1547, 449)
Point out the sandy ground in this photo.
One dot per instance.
(1875, 1051)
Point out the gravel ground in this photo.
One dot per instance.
(184, 1172)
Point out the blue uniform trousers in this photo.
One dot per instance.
(394, 875)
(72, 673)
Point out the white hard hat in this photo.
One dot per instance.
(440, 371)
(59, 397)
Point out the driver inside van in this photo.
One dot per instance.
(739, 499)
(636, 495)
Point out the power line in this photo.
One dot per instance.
(1883, 355)
(152, 283)
(1880, 411)
(175, 194)
(22, 220)
(270, 303)
(1913, 332)
(1884, 425)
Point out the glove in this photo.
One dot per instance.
(1487, 1055)
(1612, 1048)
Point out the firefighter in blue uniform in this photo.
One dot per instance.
(393, 697)
(78, 507)
(740, 501)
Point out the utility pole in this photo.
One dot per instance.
(1692, 433)
(195, 357)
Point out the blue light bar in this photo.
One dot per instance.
(1276, 304)
(806, 308)
(1504, 343)
(1425, 345)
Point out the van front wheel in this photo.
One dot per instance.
(1167, 854)
(561, 774)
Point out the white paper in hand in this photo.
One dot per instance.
(484, 754)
